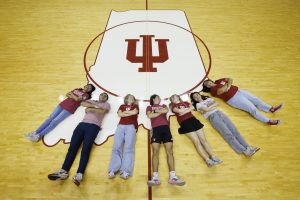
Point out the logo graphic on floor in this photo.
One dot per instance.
(142, 52)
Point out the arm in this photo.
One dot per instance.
(132, 112)
(182, 111)
(88, 104)
(97, 110)
(229, 81)
(187, 110)
(210, 108)
(72, 96)
(128, 113)
(162, 110)
(152, 114)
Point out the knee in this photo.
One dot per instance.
(229, 137)
(129, 149)
(197, 143)
(155, 152)
(252, 111)
(170, 152)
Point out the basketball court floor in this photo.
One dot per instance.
(51, 47)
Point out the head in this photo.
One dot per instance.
(207, 84)
(89, 88)
(103, 97)
(129, 99)
(196, 97)
(175, 98)
(154, 99)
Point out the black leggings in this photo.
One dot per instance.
(84, 133)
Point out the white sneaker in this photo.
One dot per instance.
(209, 162)
(77, 178)
(33, 137)
(216, 160)
(249, 152)
(256, 149)
(176, 181)
(59, 175)
(124, 175)
(111, 175)
(153, 182)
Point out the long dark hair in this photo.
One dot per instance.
(194, 102)
(206, 89)
(152, 99)
(93, 89)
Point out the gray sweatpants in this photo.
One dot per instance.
(246, 101)
(228, 131)
(122, 158)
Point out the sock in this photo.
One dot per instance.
(155, 175)
(172, 174)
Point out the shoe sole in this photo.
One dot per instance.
(111, 177)
(53, 177)
(282, 105)
(125, 178)
(178, 184)
(152, 184)
(77, 183)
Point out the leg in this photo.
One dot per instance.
(260, 104)
(155, 156)
(242, 103)
(170, 157)
(202, 139)
(218, 122)
(234, 130)
(193, 136)
(56, 112)
(76, 141)
(116, 157)
(90, 134)
(129, 147)
(59, 118)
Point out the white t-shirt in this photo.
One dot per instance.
(206, 104)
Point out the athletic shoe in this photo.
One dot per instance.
(59, 175)
(77, 178)
(256, 149)
(124, 175)
(276, 108)
(249, 152)
(33, 137)
(176, 181)
(273, 122)
(216, 160)
(111, 175)
(153, 182)
(209, 162)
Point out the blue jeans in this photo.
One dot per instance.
(246, 101)
(85, 134)
(122, 158)
(57, 116)
(228, 131)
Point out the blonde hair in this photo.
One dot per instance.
(175, 95)
(126, 99)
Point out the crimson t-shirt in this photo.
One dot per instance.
(70, 104)
(186, 115)
(130, 119)
(226, 95)
(161, 120)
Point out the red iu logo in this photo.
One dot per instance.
(147, 59)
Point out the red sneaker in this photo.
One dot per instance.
(273, 122)
(276, 108)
